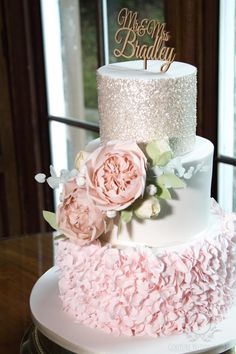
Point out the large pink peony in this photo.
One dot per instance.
(77, 217)
(115, 175)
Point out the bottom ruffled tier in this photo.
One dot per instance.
(144, 291)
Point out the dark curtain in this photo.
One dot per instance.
(194, 29)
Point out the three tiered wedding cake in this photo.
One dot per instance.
(145, 250)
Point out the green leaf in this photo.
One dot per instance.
(119, 227)
(149, 208)
(58, 237)
(171, 181)
(163, 158)
(163, 193)
(158, 157)
(126, 216)
(50, 218)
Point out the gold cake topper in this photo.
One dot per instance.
(128, 37)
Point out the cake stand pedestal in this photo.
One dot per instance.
(59, 327)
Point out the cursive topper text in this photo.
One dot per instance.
(131, 28)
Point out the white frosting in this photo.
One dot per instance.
(182, 218)
(135, 70)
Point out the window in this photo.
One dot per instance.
(76, 42)
(227, 112)
(71, 60)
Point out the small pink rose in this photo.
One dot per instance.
(78, 218)
(115, 175)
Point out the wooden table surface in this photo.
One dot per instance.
(22, 261)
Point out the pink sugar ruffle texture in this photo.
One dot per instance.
(135, 291)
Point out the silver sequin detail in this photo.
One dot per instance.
(145, 109)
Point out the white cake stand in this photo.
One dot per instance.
(59, 327)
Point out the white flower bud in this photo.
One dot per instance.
(80, 159)
(151, 189)
(80, 181)
(189, 173)
(83, 170)
(150, 207)
(111, 214)
(40, 177)
(158, 171)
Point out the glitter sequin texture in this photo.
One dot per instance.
(146, 109)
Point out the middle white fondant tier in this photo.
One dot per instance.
(183, 217)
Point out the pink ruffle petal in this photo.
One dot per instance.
(137, 291)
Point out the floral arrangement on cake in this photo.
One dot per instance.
(114, 183)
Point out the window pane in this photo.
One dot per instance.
(227, 184)
(70, 48)
(152, 9)
(227, 79)
(66, 142)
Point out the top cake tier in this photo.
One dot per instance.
(143, 105)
